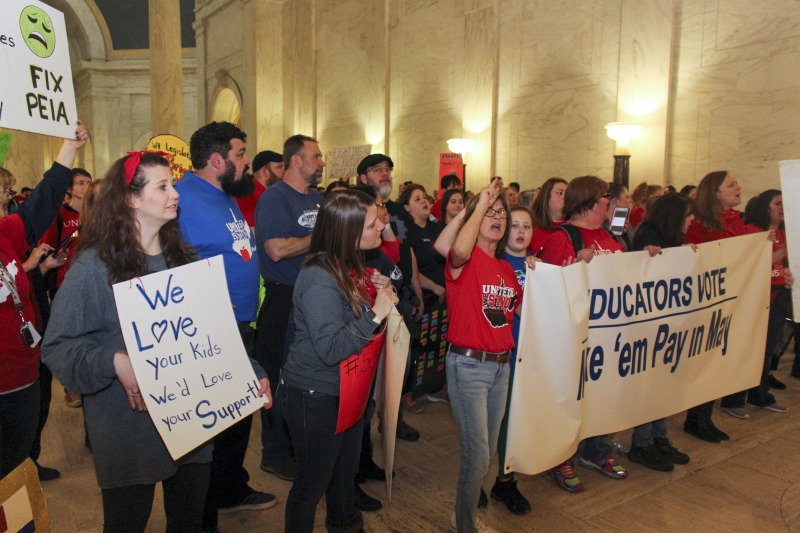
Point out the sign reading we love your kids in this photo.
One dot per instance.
(186, 352)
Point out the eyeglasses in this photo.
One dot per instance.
(380, 169)
(382, 205)
(606, 195)
(492, 212)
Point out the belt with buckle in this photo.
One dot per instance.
(480, 355)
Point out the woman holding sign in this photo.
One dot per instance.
(339, 307)
(19, 346)
(132, 232)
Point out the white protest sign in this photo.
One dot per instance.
(629, 339)
(343, 160)
(36, 92)
(186, 352)
(790, 187)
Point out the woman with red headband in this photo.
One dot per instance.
(133, 231)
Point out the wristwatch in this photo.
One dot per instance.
(372, 316)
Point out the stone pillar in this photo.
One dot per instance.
(165, 67)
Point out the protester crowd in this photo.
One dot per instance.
(332, 267)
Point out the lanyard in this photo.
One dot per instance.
(12, 286)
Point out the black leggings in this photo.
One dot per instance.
(127, 509)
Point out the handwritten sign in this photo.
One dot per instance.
(344, 159)
(186, 352)
(36, 92)
(180, 161)
(790, 186)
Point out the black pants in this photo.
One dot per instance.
(274, 326)
(127, 509)
(45, 396)
(19, 415)
(326, 462)
(228, 479)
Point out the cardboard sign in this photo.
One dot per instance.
(36, 92)
(344, 159)
(186, 352)
(177, 150)
(790, 187)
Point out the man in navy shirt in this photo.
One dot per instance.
(285, 217)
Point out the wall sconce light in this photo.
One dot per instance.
(460, 146)
(623, 133)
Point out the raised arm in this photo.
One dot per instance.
(461, 251)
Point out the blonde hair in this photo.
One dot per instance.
(7, 179)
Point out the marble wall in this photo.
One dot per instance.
(714, 83)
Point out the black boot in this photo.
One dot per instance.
(699, 429)
(367, 469)
(365, 502)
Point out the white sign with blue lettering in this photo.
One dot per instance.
(186, 351)
(36, 92)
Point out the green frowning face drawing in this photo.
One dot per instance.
(37, 31)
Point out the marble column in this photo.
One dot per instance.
(165, 67)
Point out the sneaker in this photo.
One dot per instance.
(666, 448)
(565, 477)
(73, 399)
(774, 407)
(255, 501)
(284, 469)
(701, 430)
(480, 525)
(408, 404)
(439, 396)
(607, 466)
(509, 494)
(371, 471)
(46, 473)
(650, 457)
(736, 412)
(406, 432)
(483, 501)
(775, 383)
(366, 503)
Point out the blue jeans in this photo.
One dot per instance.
(643, 435)
(326, 463)
(478, 393)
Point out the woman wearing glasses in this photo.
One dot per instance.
(482, 295)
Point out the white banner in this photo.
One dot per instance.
(630, 338)
(790, 187)
(36, 92)
(186, 352)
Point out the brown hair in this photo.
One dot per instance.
(113, 229)
(6, 180)
(542, 217)
(708, 210)
(340, 223)
(582, 193)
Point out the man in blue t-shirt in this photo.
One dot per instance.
(211, 221)
(285, 217)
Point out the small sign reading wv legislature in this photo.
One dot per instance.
(188, 357)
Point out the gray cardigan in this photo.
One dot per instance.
(79, 346)
(327, 333)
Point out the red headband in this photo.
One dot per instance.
(132, 163)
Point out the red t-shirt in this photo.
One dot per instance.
(19, 364)
(481, 303)
(778, 279)
(636, 216)
(436, 210)
(391, 249)
(69, 221)
(558, 247)
(540, 236)
(733, 226)
(248, 203)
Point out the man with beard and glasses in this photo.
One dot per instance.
(212, 223)
(285, 217)
(267, 171)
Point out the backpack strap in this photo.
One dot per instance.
(574, 235)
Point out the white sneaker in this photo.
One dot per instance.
(480, 525)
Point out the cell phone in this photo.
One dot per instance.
(64, 244)
(618, 220)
